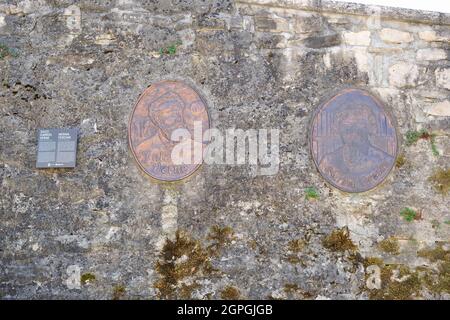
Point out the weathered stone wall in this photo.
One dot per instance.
(259, 64)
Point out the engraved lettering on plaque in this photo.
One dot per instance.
(57, 148)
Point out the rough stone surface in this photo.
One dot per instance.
(439, 109)
(2, 21)
(443, 78)
(431, 54)
(104, 228)
(432, 36)
(361, 38)
(403, 74)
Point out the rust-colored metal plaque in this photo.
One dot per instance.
(163, 108)
(353, 141)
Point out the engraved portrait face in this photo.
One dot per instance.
(164, 107)
(353, 141)
(167, 113)
(355, 124)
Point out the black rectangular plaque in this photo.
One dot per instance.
(57, 148)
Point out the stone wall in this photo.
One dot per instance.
(105, 230)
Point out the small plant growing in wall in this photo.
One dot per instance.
(311, 193)
(433, 145)
(408, 214)
(412, 136)
(171, 49)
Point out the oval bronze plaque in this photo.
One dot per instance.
(163, 108)
(353, 141)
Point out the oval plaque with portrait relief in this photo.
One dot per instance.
(166, 130)
(353, 141)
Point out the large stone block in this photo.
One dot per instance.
(403, 74)
(440, 109)
(395, 36)
(271, 24)
(362, 38)
(432, 36)
(307, 24)
(431, 54)
(322, 41)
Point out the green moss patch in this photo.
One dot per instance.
(118, 292)
(311, 193)
(390, 245)
(400, 161)
(87, 278)
(397, 283)
(180, 262)
(220, 237)
(435, 254)
(294, 247)
(441, 181)
(230, 293)
(339, 240)
(437, 281)
(294, 290)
